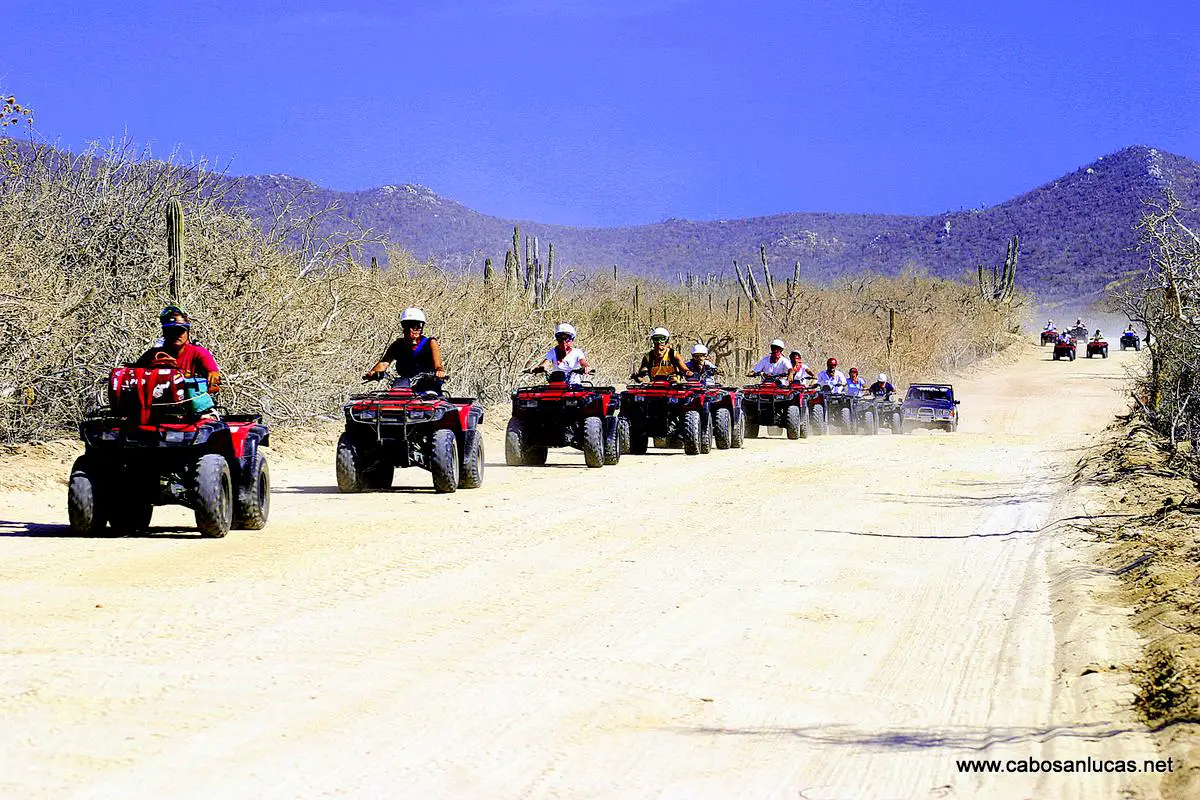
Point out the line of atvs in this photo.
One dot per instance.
(1066, 347)
(158, 441)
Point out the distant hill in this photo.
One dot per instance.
(1077, 232)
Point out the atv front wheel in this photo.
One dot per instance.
(691, 433)
(1104, 352)
(443, 460)
(471, 474)
(351, 477)
(86, 501)
(254, 494)
(847, 417)
(514, 445)
(721, 432)
(612, 441)
(639, 440)
(819, 422)
(213, 496)
(624, 436)
(737, 435)
(897, 423)
(593, 442)
(869, 427)
(791, 422)
(706, 433)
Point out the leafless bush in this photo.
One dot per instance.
(1165, 300)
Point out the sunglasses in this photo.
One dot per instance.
(563, 337)
(411, 325)
(658, 339)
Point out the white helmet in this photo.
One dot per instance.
(778, 343)
(566, 328)
(660, 332)
(413, 315)
(882, 378)
(699, 350)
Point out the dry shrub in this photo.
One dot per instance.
(294, 318)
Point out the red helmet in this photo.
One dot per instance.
(831, 362)
(854, 370)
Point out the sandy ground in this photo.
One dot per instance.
(831, 618)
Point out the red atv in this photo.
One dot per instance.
(796, 408)
(1049, 336)
(412, 424)
(161, 441)
(672, 413)
(1097, 347)
(1065, 349)
(562, 414)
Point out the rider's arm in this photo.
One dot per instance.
(383, 363)
(681, 366)
(209, 365)
(435, 352)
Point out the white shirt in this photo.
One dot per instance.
(569, 362)
(836, 381)
(773, 368)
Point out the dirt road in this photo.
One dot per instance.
(831, 618)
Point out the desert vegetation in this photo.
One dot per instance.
(295, 309)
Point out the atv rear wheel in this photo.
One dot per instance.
(351, 477)
(612, 441)
(1070, 356)
(706, 433)
(819, 422)
(1104, 352)
(721, 428)
(515, 454)
(443, 460)
(213, 496)
(691, 433)
(471, 473)
(847, 418)
(869, 426)
(593, 442)
(737, 435)
(752, 429)
(253, 494)
(86, 500)
(897, 423)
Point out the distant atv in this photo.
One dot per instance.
(560, 414)
(797, 409)
(1078, 332)
(412, 424)
(1130, 339)
(1097, 347)
(1065, 350)
(888, 414)
(850, 414)
(1049, 336)
(161, 441)
(672, 413)
(930, 405)
(725, 412)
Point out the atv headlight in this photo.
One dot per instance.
(637, 398)
(367, 413)
(672, 399)
(175, 437)
(529, 403)
(108, 436)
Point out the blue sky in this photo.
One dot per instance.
(624, 112)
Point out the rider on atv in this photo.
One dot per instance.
(1098, 337)
(881, 389)
(1049, 325)
(800, 372)
(774, 365)
(855, 386)
(177, 350)
(662, 361)
(565, 356)
(413, 353)
(832, 378)
(699, 363)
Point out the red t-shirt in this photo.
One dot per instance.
(193, 359)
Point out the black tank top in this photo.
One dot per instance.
(409, 361)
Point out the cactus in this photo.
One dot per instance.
(999, 287)
(487, 272)
(511, 270)
(175, 249)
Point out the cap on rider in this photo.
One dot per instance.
(564, 332)
(699, 350)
